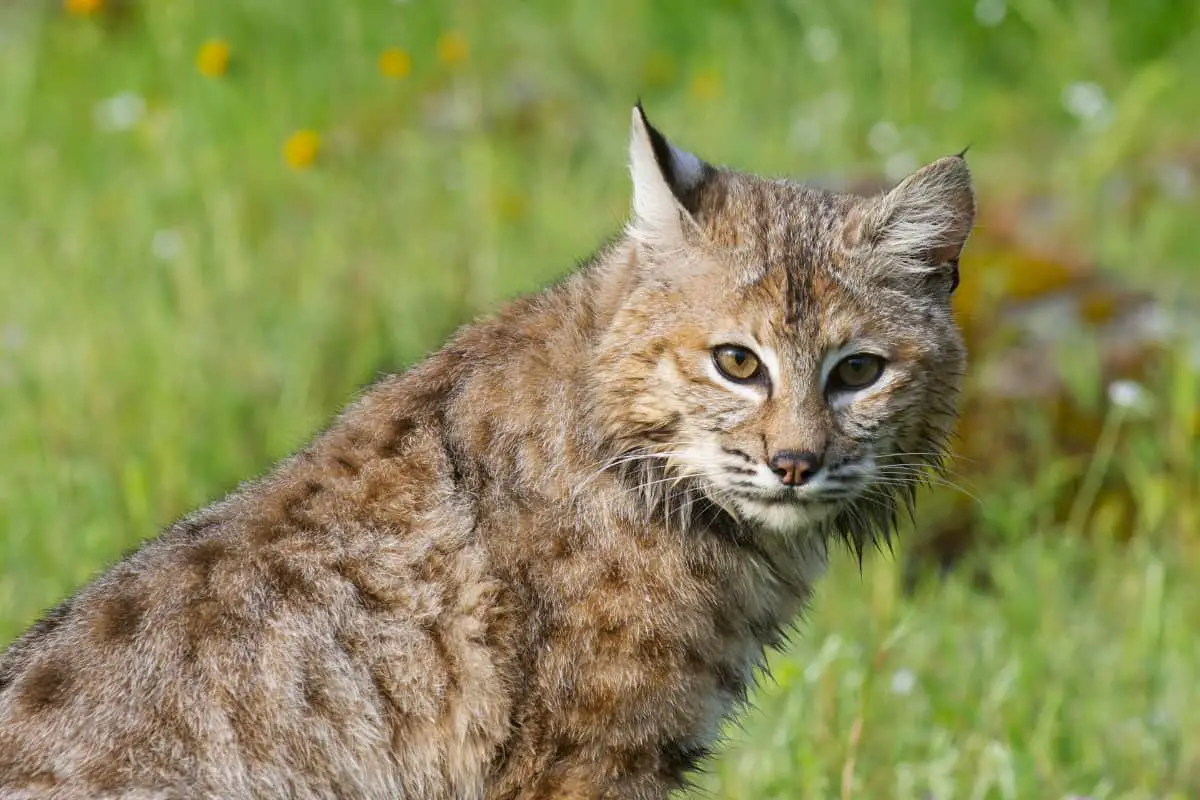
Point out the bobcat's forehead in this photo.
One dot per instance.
(773, 222)
(790, 283)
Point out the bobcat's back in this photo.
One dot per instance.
(331, 631)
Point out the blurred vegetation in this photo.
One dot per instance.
(221, 219)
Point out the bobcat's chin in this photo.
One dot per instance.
(785, 514)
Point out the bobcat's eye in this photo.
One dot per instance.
(856, 372)
(737, 363)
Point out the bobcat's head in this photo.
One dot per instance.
(783, 353)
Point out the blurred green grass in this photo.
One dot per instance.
(180, 307)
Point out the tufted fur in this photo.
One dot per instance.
(545, 561)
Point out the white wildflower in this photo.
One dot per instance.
(903, 682)
(899, 165)
(119, 112)
(1129, 395)
(883, 137)
(834, 105)
(167, 244)
(821, 43)
(1087, 102)
(990, 13)
(806, 133)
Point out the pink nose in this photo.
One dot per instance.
(795, 467)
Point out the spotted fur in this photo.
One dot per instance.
(546, 561)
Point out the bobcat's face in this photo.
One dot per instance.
(789, 354)
(788, 410)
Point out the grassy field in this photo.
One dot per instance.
(202, 259)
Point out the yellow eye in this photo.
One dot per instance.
(856, 372)
(737, 363)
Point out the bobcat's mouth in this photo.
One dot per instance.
(783, 512)
(761, 500)
(788, 509)
(785, 497)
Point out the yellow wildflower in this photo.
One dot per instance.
(1099, 307)
(452, 48)
(301, 148)
(511, 205)
(706, 85)
(212, 59)
(659, 69)
(82, 7)
(395, 63)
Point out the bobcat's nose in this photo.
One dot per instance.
(795, 467)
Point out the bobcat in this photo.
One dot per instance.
(546, 561)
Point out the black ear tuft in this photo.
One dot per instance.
(668, 183)
(662, 152)
(682, 171)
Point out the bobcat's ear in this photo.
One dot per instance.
(665, 184)
(921, 225)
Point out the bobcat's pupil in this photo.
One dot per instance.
(736, 363)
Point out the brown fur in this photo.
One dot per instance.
(525, 568)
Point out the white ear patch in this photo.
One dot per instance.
(658, 214)
(654, 204)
